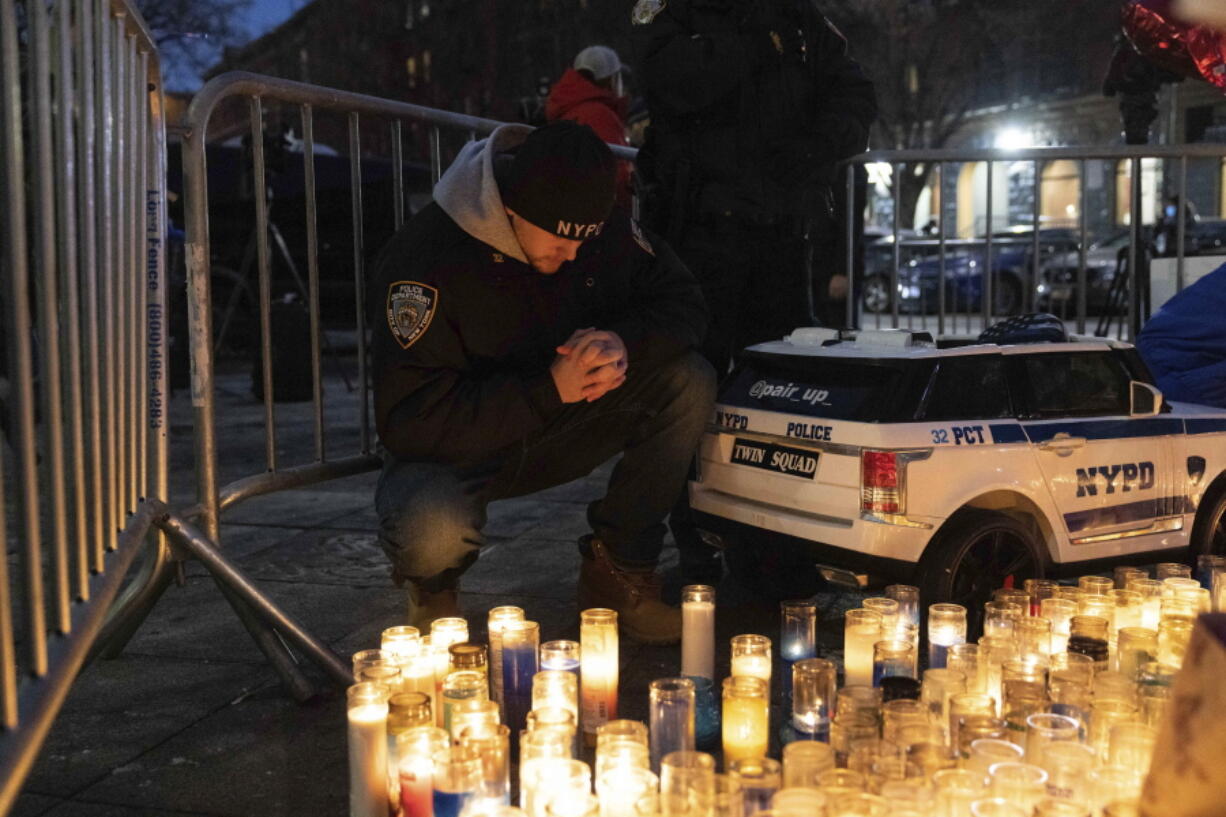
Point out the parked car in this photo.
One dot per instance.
(919, 273)
(961, 468)
(1056, 289)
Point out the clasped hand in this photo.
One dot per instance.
(589, 365)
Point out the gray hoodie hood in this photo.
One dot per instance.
(469, 193)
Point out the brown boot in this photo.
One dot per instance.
(425, 606)
(634, 594)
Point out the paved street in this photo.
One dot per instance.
(190, 720)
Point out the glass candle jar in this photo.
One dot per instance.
(416, 749)
(955, 790)
(1001, 618)
(368, 658)
(473, 712)
(556, 688)
(1060, 613)
(745, 718)
(751, 657)
(813, 697)
(1095, 585)
(1104, 715)
(939, 686)
(987, 752)
(462, 686)
(560, 655)
(469, 657)
(946, 627)
(687, 784)
(798, 802)
(1088, 636)
(1034, 636)
(1137, 646)
(797, 630)
(492, 743)
(698, 631)
(386, 675)
(496, 621)
(1131, 745)
(977, 727)
(1044, 729)
(908, 598)
(893, 659)
(888, 609)
(1036, 591)
(367, 715)
(456, 780)
(671, 702)
(861, 630)
(546, 778)
(447, 631)
(967, 703)
(520, 663)
(1167, 570)
(1173, 638)
(400, 642)
(759, 779)
(964, 658)
(1022, 784)
(804, 761)
(599, 674)
(622, 790)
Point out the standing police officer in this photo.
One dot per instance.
(753, 104)
(525, 333)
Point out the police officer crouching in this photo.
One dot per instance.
(527, 333)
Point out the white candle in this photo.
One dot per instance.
(862, 629)
(751, 656)
(368, 788)
(599, 669)
(698, 631)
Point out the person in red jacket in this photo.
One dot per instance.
(591, 93)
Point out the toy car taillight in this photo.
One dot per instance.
(880, 482)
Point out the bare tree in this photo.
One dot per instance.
(931, 63)
(191, 34)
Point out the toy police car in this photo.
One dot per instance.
(960, 466)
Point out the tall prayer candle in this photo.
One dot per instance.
(861, 630)
(672, 717)
(698, 631)
(751, 656)
(598, 678)
(520, 662)
(798, 630)
(443, 633)
(498, 620)
(417, 675)
(946, 627)
(746, 718)
(907, 597)
(464, 685)
(457, 777)
(416, 749)
(367, 712)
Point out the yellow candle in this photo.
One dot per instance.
(417, 675)
(746, 718)
(400, 642)
(598, 668)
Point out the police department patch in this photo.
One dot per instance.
(410, 306)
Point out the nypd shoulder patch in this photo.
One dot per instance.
(410, 308)
(640, 238)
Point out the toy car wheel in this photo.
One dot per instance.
(975, 554)
(876, 294)
(1209, 533)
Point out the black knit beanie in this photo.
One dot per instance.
(562, 179)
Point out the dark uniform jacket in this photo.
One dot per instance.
(752, 105)
(464, 331)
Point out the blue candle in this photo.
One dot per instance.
(519, 665)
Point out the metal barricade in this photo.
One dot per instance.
(1132, 282)
(82, 155)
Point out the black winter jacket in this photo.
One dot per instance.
(463, 335)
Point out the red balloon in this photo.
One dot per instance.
(1191, 51)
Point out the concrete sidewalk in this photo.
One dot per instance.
(191, 721)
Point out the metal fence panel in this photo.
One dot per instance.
(82, 170)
